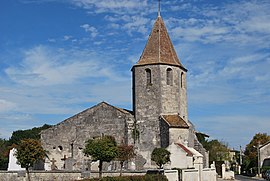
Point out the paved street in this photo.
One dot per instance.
(243, 178)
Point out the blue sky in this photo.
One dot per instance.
(59, 57)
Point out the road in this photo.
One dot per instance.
(243, 178)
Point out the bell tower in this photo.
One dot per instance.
(159, 87)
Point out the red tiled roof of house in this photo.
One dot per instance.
(189, 153)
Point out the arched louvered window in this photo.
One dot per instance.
(169, 76)
(148, 77)
(182, 80)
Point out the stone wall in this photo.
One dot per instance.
(150, 100)
(67, 139)
(147, 106)
(40, 176)
(209, 174)
(179, 134)
(190, 174)
(164, 133)
(173, 97)
(172, 175)
(199, 147)
(194, 175)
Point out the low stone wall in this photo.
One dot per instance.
(39, 176)
(172, 175)
(190, 174)
(209, 174)
(58, 175)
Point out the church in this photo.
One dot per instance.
(159, 117)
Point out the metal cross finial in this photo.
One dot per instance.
(159, 8)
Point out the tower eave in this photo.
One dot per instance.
(140, 65)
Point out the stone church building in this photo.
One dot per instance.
(159, 117)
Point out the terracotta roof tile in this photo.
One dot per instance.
(189, 153)
(175, 121)
(159, 48)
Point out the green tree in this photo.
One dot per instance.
(202, 138)
(125, 153)
(33, 133)
(160, 156)
(4, 151)
(103, 149)
(218, 151)
(251, 153)
(28, 152)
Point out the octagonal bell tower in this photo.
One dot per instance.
(159, 87)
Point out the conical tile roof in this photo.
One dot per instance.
(159, 48)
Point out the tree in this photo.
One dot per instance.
(125, 153)
(251, 154)
(17, 136)
(4, 150)
(33, 133)
(218, 151)
(103, 149)
(28, 152)
(202, 138)
(160, 156)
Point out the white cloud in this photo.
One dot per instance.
(116, 6)
(137, 24)
(67, 37)
(6, 105)
(90, 29)
(43, 66)
(19, 121)
(52, 81)
(241, 22)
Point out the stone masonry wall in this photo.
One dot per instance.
(59, 175)
(164, 134)
(147, 106)
(173, 97)
(152, 100)
(67, 138)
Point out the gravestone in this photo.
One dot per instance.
(64, 159)
(53, 166)
(140, 162)
(87, 164)
(69, 163)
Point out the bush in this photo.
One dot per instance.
(132, 178)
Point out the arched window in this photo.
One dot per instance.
(169, 76)
(148, 77)
(182, 80)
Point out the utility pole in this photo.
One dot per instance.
(259, 161)
(241, 161)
